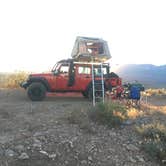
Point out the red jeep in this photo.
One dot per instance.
(70, 76)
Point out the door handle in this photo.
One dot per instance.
(87, 77)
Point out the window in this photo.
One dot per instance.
(95, 48)
(97, 71)
(64, 68)
(83, 70)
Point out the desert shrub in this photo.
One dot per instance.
(154, 140)
(133, 113)
(77, 116)
(109, 113)
(80, 117)
(12, 80)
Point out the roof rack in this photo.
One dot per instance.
(91, 63)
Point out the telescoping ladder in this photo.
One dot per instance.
(97, 83)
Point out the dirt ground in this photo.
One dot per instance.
(37, 133)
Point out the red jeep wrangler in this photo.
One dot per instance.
(69, 76)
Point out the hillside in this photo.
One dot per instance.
(150, 75)
(60, 131)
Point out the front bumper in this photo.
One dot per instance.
(24, 84)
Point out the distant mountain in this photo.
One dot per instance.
(150, 75)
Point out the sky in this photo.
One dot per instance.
(35, 34)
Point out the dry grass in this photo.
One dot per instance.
(12, 80)
(133, 113)
(153, 132)
(154, 142)
(153, 108)
(155, 92)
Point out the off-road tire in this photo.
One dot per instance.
(90, 93)
(36, 91)
(97, 94)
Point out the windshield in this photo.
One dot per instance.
(56, 67)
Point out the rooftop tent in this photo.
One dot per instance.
(88, 49)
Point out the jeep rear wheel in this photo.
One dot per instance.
(90, 93)
(98, 94)
(36, 91)
(85, 94)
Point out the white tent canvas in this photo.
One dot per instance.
(90, 49)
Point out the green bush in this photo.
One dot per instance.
(154, 140)
(109, 113)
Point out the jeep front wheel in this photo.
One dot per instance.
(36, 91)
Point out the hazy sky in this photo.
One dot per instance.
(35, 34)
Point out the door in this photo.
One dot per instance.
(62, 78)
(83, 77)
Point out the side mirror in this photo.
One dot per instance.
(55, 72)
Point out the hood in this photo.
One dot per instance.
(40, 74)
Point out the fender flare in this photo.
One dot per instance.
(42, 80)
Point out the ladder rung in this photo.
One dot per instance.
(98, 87)
(98, 83)
(97, 90)
(98, 97)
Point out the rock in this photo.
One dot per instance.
(108, 157)
(52, 156)
(71, 144)
(128, 122)
(132, 147)
(10, 153)
(5, 139)
(90, 158)
(37, 145)
(132, 160)
(44, 152)
(66, 162)
(98, 163)
(111, 150)
(20, 148)
(113, 134)
(140, 159)
(140, 142)
(36, 140)
(84, 162)
(38, 134)
(23, 156)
